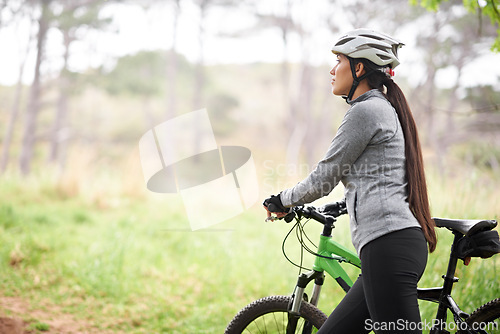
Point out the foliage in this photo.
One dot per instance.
(488, 8)
(479, 154)
(140, 74)
(220, 107)
(484, 98)
(43, 327)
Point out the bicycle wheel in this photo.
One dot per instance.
(486, 319)
(269, 315)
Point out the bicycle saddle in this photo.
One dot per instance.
(465, 226)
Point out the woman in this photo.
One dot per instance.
(377, 156)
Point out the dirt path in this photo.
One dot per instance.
(19, 316)
(11, 326)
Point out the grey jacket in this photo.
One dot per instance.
(368, 156)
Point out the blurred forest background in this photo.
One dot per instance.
(77, 97)
(82, 80)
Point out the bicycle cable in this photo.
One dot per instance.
(302, 241)
(301, 249)
(300, 233)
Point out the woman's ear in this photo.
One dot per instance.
(360, 69)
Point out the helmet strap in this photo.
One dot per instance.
(356, 80)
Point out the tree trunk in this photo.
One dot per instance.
(14, 112)
(57, 136)
(199, 84)
(34, 96)
(172, 64)
(148, 113)
(312, 121)
(430, 100)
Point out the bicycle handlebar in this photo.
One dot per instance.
(326, 216)
(311, 212)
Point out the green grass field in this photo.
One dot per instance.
(120, 263)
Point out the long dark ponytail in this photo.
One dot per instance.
(415, 174)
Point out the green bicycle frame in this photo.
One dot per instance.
(331, 254)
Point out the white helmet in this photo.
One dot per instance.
(379, 48)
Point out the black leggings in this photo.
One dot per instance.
(384, 297)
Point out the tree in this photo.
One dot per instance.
(451, 44)
(172, 58)
(16, 12)
(140, 75)
(172, 64)
(199, 98)
(488, 8)
(67, 16)
(297, 79)
(33, 108)
(485, 103)
(75, 17)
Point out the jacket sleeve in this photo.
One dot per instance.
(358, 127)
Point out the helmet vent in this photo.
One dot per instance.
(383, 57)
(343, 41)
(395, 49)
(373, 37)
(379, 47)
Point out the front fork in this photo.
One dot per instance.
(299, 293)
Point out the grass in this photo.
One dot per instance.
(128, 263)
(133, 266)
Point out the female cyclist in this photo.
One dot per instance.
(376, 154)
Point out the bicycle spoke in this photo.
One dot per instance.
(270, 315)
(276, 322)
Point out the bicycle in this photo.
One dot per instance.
(299, 314)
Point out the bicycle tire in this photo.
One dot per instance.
(270, 315)
(486, 318)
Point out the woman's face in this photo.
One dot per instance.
(342, 77)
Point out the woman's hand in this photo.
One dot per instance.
(273, 205)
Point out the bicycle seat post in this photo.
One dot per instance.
(449, 280)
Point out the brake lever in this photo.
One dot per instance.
(289, 217)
